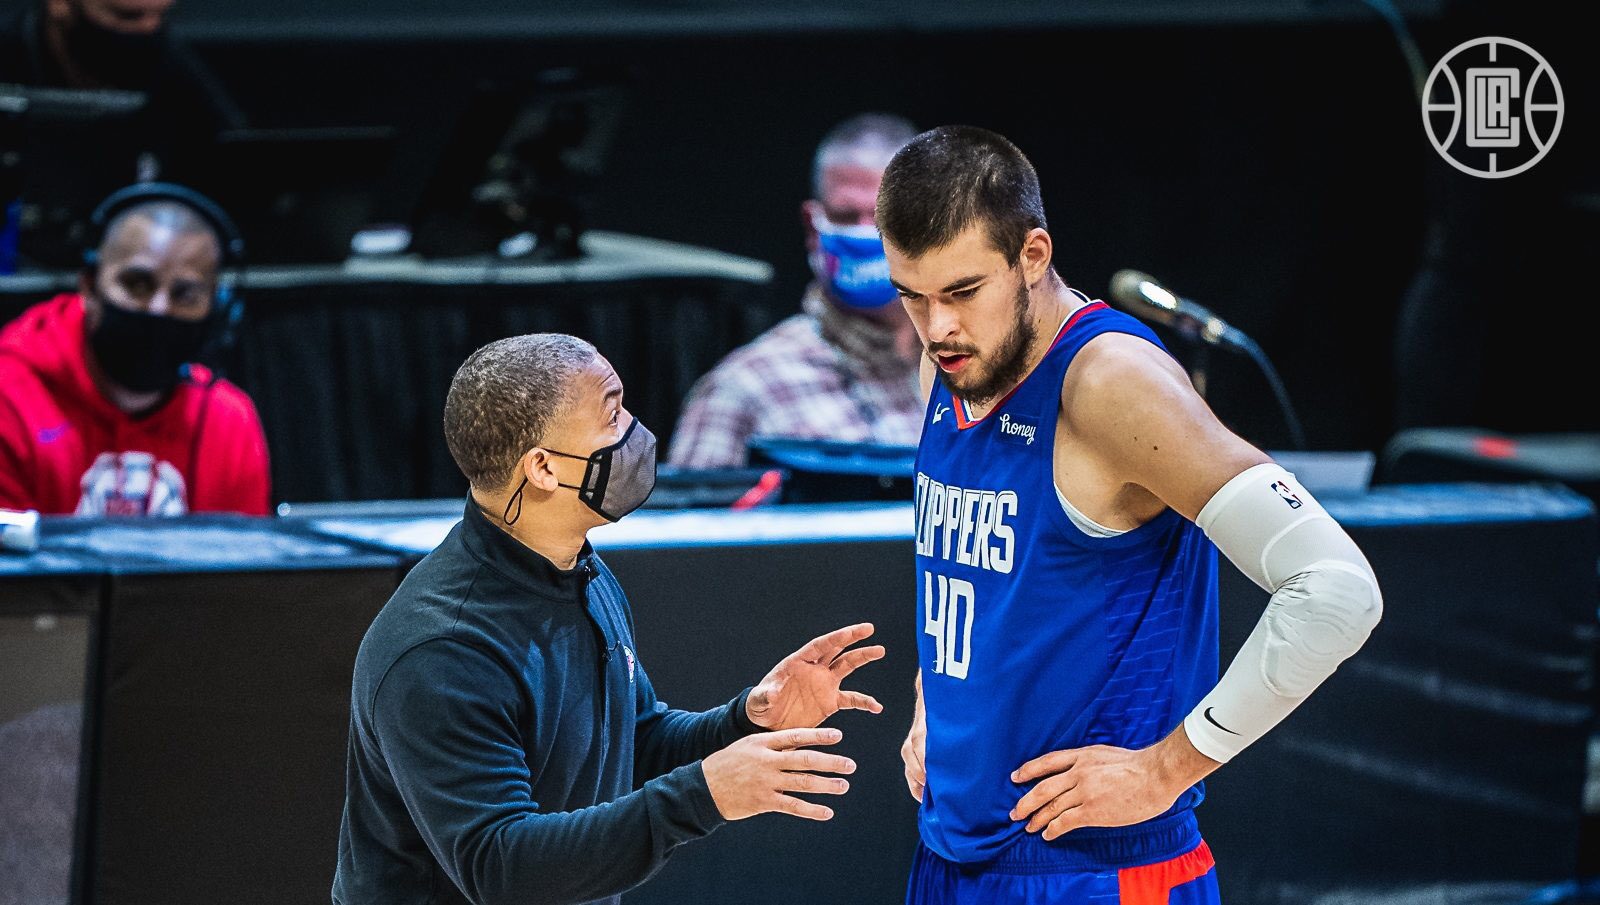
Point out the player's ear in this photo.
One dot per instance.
(1037, 251)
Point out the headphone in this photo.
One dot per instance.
(228, 307)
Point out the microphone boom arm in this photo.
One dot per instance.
(1143, 296)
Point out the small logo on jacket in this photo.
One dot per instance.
(1287, 494)
(938, 412)
(627, 654)
(52, 434)
(132, 483)
(1018, 429)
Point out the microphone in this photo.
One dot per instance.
(1142, 294)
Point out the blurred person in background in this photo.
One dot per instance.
(845, 368)
(67, 164)
(102, 408)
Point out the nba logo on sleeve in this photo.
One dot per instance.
(1288, 494)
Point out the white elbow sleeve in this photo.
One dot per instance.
(1325, 602)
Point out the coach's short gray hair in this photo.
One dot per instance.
(504, 398)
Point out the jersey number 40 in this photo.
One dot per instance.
(947, 616)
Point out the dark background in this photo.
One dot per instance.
(1266, 159)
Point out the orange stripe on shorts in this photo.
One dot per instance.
(1150, 884)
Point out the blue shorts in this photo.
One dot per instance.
(1188, 879)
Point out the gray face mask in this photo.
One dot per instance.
(618, 479)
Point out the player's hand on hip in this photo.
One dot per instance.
(1094, 786)
(914, 754)
(758, 774)
(803, 689)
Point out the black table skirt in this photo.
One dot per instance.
(351, 380)
(350, 374)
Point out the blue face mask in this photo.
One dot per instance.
(849, 259)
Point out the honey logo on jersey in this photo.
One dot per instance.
(1018, 429)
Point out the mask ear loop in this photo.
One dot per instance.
(588, 470)
(516, 498)
(598, 470)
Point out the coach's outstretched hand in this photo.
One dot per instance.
(803, 689)
(753, 775)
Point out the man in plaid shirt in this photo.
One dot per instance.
(845, 367)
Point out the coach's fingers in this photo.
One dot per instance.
(915, 787)
(850, 661)
(855, 700)
(801, 738)
(812, 784)
(825, 648)
(804, 761)
(1042, 794)
(1044, 765)
(796, 807)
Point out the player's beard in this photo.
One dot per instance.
(1006, 364)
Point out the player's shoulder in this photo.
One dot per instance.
(1120, 384)
(1115, 365)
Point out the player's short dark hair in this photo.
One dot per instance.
(504, 398)
(952, 177)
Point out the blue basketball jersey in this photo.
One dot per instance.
(1035, 635)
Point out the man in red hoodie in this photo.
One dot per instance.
(102, 411)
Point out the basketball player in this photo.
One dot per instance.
(1072, 493)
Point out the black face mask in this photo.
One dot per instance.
(144, 352)
(619, 479)
(116, 58)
